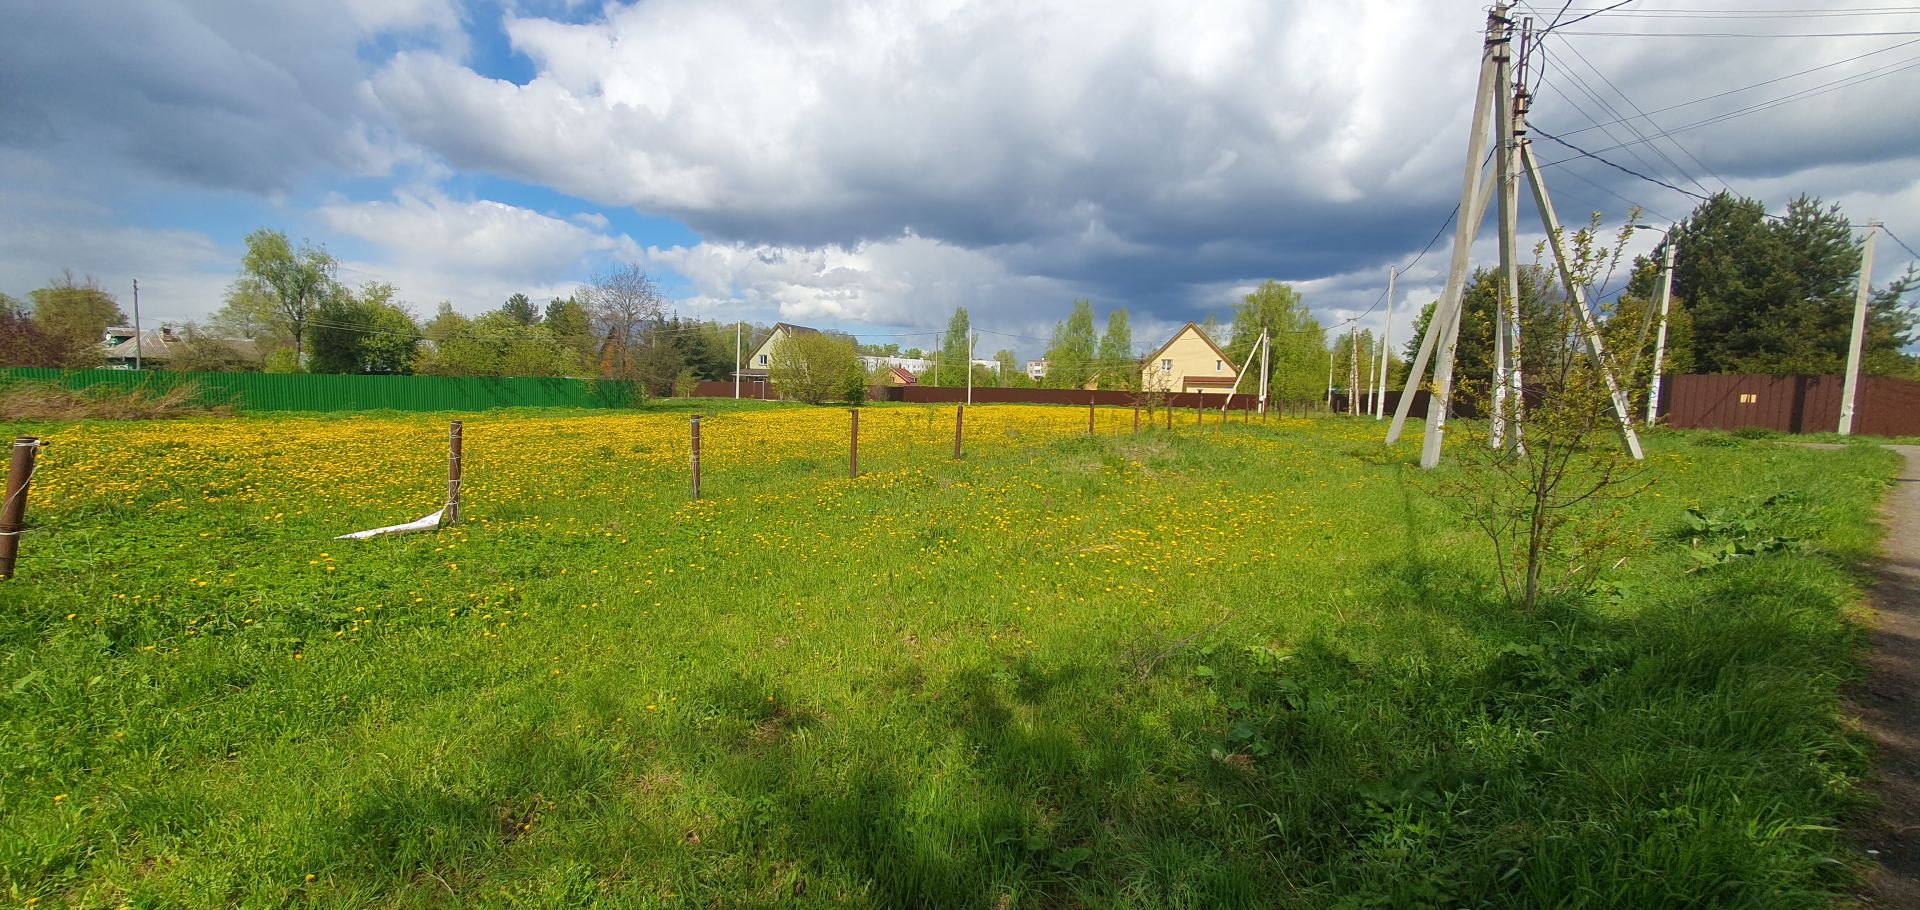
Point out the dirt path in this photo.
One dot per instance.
(1890, 705)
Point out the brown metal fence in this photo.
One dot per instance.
(1884, 406)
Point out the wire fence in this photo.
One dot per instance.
(296, 483)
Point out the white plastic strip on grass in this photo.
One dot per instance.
(424, 524)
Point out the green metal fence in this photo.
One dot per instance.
(311, 392)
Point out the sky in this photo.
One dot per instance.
(869, 166)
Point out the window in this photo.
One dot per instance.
(763, 360)
(1749, 398)
(1216, 366)
(1167, 365)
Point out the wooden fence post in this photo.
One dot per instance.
(696, 456)
(451, 515)
(1090, 401)
(959, 427)
(1136, 415)
(13, 512)
(853, 446)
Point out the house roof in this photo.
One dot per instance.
(905, 377)
(162, 343)
(1203, 337)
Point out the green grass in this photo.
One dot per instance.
(1255, 668)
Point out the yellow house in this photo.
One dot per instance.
(1188, 362)
(755, 368)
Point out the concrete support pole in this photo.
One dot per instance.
(1660, 340)
(1858, 338)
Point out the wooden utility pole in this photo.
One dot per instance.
(1660, 340)
(13, 510)
(451, 516)
(1857, 340)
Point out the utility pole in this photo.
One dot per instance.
(1329, 381)
(1380, 400)
(1353, 368)
(1266, 349)
(136, 325)
(1444, 328)
(1506, 310)
(1859, 337)
(736, 359)
(1660, 340)
(971, 335)
(1577, 298)
(1366, 397)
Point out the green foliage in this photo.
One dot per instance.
(1298, 362)
(496, 344)
(950, 367)
(817, 368)
(520, 310)
(74, 316)
(1541, 303)
(1721, 534)
(296, 281)
(1072, 351)
(1776, 295)
(362, 333)
(1118, 368)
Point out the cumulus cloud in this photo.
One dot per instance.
(426, 229)
(898, 282)
(1139, 149)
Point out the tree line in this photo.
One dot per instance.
(1752, 293)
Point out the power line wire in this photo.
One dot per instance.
(1889, 34)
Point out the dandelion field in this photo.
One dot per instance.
(1239, 665)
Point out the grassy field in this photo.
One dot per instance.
(1255, 667)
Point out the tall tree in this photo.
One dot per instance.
(23, 343)
(955, 352)
(1118, 368)
(624, 303)
(1072, 350)
(1540, 300)
(816, 368)
(77, 314)
(364, 332)
(250, 312)
(1776, 295)
(1298, 362)
(521, 310)
(1009, 365)
(296, 280)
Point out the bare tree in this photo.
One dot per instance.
(625, 302)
